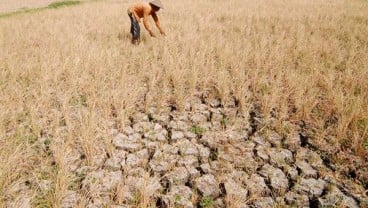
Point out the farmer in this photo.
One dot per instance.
(143, 10)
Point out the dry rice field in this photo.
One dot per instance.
(73, 90)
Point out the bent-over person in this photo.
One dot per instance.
(141, 10)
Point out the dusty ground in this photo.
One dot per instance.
(13, 5)
(210, 155)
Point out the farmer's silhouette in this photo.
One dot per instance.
(143, 10)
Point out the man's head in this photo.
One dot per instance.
(156, 5)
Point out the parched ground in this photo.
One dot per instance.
(14, 5)
(210, 155)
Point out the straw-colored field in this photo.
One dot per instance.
(67, 74)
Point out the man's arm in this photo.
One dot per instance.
(146, 25)
(157, 22)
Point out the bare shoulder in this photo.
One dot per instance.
(146, 6)
(140, 5)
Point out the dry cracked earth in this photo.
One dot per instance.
(208, 156)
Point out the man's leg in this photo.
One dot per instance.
(131, 24)
(134, 29)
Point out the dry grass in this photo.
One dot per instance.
(66, 73)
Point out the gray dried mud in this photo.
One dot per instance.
(209, 155)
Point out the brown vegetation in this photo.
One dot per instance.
(66, 74)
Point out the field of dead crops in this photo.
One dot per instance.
(242, 103)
